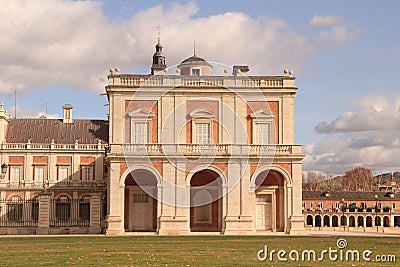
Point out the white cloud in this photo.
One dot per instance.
(73, 43)
(24, 112)
(368, 137)
(339, 34)
(324, 21)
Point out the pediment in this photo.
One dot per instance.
(202, 113)
(141, 113)
(262, 114)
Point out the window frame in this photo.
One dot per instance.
(202, 116)
(140, 116)
(11, 171)
(83, 174)
(68, 168)
(266, 117)
(36, 169)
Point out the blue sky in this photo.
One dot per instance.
(345, 56)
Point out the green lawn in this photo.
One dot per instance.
(181, 251)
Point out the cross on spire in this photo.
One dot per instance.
(159, 33)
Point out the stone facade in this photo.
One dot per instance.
(185, 150)
(190, 151)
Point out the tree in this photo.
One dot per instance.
(358, 179)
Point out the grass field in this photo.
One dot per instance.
(182, 251)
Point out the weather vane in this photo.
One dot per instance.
(159, 32)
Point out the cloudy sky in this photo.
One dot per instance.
(344, 54)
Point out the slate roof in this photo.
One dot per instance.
(195, 60)
(45, 130)
(348, 195)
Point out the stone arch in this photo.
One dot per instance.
(282, 171)
(317, 220)
(207, 167)
(335, 221)
(343, 220)
(309, 220)
(386, 221)
(274, 184)
(326, 221)
(140, 192)
(352, 221)
(131, 169)
(378, 221)
(206, 201)
(368, 222)
(360, 221)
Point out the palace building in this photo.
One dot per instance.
(200, 147)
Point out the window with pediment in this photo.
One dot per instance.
(202, 126)
(262, 123)
(140, 126)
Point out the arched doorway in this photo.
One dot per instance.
(309, 220)
(343, 220)
(360, 221)
(386, 221)
(369, 221)
(140, 201)
(377, 221)
(206, 202)
(326, 221)
(270, 205)
(318, 221)
(335, 221)
(352, 221)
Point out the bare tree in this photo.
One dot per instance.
(358, 179)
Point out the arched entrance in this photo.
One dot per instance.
(352, 221)
(326, 221)
(206, 202)
(369, 221)
(140, 202)
(309, 220)
(335, 221)
(270, 205)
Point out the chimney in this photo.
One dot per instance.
(4, 119)
(67, 113)
(240, 70)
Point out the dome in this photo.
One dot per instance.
(195, 60)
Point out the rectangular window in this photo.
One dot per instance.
(393, 206)
(35, 211)
(39, 173)
(195, 72)
(63, 210)
(63, 173)
(262, 134)
(87, 173)
(84, 211)
(15, 173)
(140, 198)
(320, 205)
(312, 205)
(202, 132)
(14, 211)
(303, 204)
(140, 132)
(337, 205)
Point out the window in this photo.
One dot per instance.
(320, 205)
(303, 205)
(140, 132)
(337, 205)
(262, 133)
(195, 72)
(202, 126)
(39, 173)
(87, 173)
(15, 173)
(262, 127)
(35, 210)
(202, 133)
(311, 205)
(393, 206)
(14, 209)
(140, 120)
(84, 209)
(140, 198)
(63, 209)
(63, 173)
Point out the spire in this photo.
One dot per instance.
(194, 47)
(159, 63)
(159, 33)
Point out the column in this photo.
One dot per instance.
(44, 214)
(115, 224)
(95, 211)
